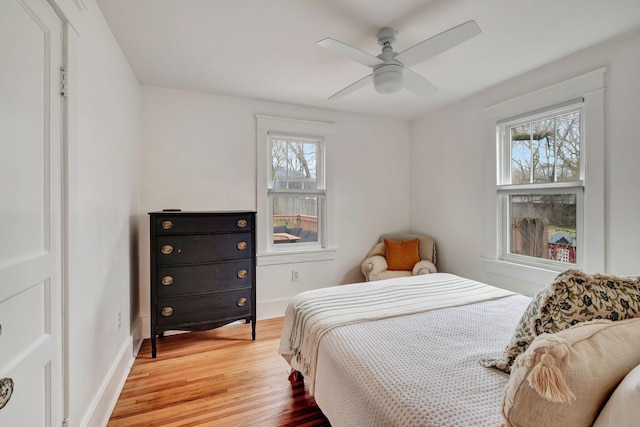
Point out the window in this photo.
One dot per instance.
(544, 198)
(295, 220)
(541, 185)
(296, 190)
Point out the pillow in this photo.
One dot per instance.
(573, 297)
(401, 255)
(564, 379)
(622, 409)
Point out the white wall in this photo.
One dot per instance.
(199, 153)
(449, 163)
(103, 204)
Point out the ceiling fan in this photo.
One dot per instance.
(390, 69)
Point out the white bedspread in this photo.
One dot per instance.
(310, 315)
(418, 370)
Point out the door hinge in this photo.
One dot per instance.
(64, 82)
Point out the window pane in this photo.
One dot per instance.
(544, 226)
(295, 219)
(520, 155)
(568, 134)
(547, 150)
(293, 164)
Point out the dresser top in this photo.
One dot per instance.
(177, 212)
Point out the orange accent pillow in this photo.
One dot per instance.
(401, 255)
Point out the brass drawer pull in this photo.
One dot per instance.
(167, 249)
(242, 246)
(242, 274)
(167, 225)
(6, 390)
(241, 302)
(167, 280)
(242, 223)
(167, 311)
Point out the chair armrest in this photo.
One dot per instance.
(424, 267)
(372, 266)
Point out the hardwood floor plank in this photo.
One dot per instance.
(215, 378)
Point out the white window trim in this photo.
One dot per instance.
(268, 254)
(591, 88)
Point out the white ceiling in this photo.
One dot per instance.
(266, 49)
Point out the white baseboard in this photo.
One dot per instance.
(137, 334)
(99, 412)
(272, 308)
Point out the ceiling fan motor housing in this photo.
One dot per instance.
(388, 78)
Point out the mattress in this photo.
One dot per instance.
(419, 369)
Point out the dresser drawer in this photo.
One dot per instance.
(222, 276)
(202, 308)
(194, 223)
(201, 248)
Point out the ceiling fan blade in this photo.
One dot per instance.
(438, 44)
(350, 52)
(418, 84)
(353, 87)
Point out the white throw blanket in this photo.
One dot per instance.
(313, 313)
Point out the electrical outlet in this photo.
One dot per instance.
(294, 275)
(119, 319)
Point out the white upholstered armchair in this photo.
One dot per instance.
(398, 258)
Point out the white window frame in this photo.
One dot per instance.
(268, 253)
(590, 87)
(505, 188)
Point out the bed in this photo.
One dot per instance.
(403, 352)
(430, 351)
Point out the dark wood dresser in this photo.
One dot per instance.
(203, 271)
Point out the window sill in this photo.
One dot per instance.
(290, 257)
(526, 273)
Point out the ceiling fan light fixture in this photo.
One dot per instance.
(388, 78)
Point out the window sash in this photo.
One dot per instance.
(318, 193)
(296, 192)
(321, 222)
(572, 187)
(504, 138)
(319, 161)
(505, 189)
(506, 232)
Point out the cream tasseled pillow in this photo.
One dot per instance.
(573, 297)
(564, 379)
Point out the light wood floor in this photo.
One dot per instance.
(215, 378)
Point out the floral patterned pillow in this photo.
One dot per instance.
(573, 297)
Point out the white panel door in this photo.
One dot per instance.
(30, 215)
